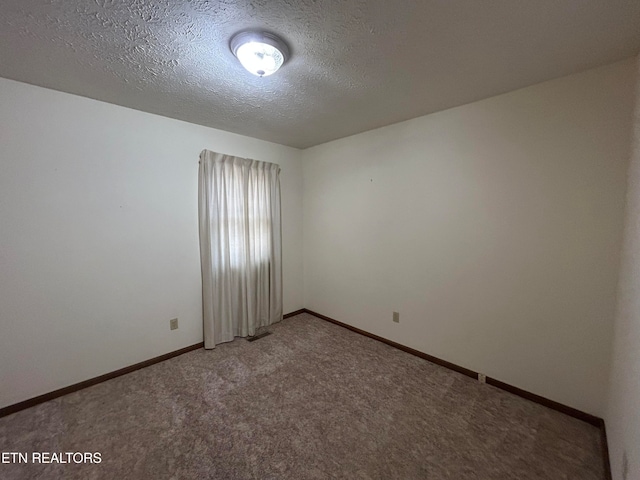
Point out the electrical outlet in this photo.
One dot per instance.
(396, 317)
(173, 324)
(482, 378)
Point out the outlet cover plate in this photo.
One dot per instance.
(173, 324)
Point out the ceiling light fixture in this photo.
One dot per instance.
(261, 53)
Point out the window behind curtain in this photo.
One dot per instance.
(240, 245)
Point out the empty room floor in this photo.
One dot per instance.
(311, 401)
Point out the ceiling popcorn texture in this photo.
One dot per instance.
(356, 65)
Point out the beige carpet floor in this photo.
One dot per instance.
(311, 401)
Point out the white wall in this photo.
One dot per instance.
(623, 408)
(99, 235)
(493, 228)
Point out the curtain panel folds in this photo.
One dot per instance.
(240, 246)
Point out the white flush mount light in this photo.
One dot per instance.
(261, 53)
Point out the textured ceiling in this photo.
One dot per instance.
(355, 65)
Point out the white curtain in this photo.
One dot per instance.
(240, 246)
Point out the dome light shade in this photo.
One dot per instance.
(261, 53)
